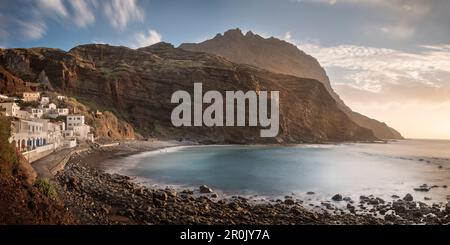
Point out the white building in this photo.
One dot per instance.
(77, 127)
(56, 133)
(36, 112)
(11, 108)
(45, 100)
(62, 111)
(51, 106)
(58, 113)
(28, 134)
(74, 120)
(81, 131)
(61, 97)
(31, 96)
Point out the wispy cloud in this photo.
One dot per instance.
(416, 7)
(52, 7)
(83, 14)
(388, 74)
(3, 31)
(35, 16)
(400, 16)
(408, 90)
(143, 39)
(32, 30)
(121, 12)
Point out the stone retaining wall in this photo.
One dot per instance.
(61, 164)
(39, 152)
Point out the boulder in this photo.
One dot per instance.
(205, 189)
(408, 197)
(337, 197)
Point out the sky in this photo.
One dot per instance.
(387, 59)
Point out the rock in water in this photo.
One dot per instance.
(337, 197)
(205, 189)
(408, 197)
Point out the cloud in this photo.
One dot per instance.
(398, 31)
(121, 12)
(83, 15)
(416, 7)
(51, 7)
(400, 17)
(3, 25)
(95, 41)
(385, 74)
(38, 15)
(32, 30)
(143, 39)
(408, 90)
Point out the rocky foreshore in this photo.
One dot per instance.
(96, 197)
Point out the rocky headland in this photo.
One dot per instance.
(137, 85)
(279, 56)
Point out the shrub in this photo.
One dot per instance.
(8, 158)
(46, 188)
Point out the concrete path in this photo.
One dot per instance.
(48, 166)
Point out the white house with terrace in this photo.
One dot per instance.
(76, 124)
(28, 135)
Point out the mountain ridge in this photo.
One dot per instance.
(137, 86)
(283, 57)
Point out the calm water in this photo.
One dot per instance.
(273, 171)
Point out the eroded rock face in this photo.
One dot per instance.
(10, 83)
(105, 124)
(282, 57)
(138, 84)
(111, 127)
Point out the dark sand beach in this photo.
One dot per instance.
(97, 197)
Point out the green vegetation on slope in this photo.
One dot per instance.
(8, 158)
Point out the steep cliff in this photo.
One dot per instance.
(105, 124)
(282, 57)
(11, 84)
(137, 86)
